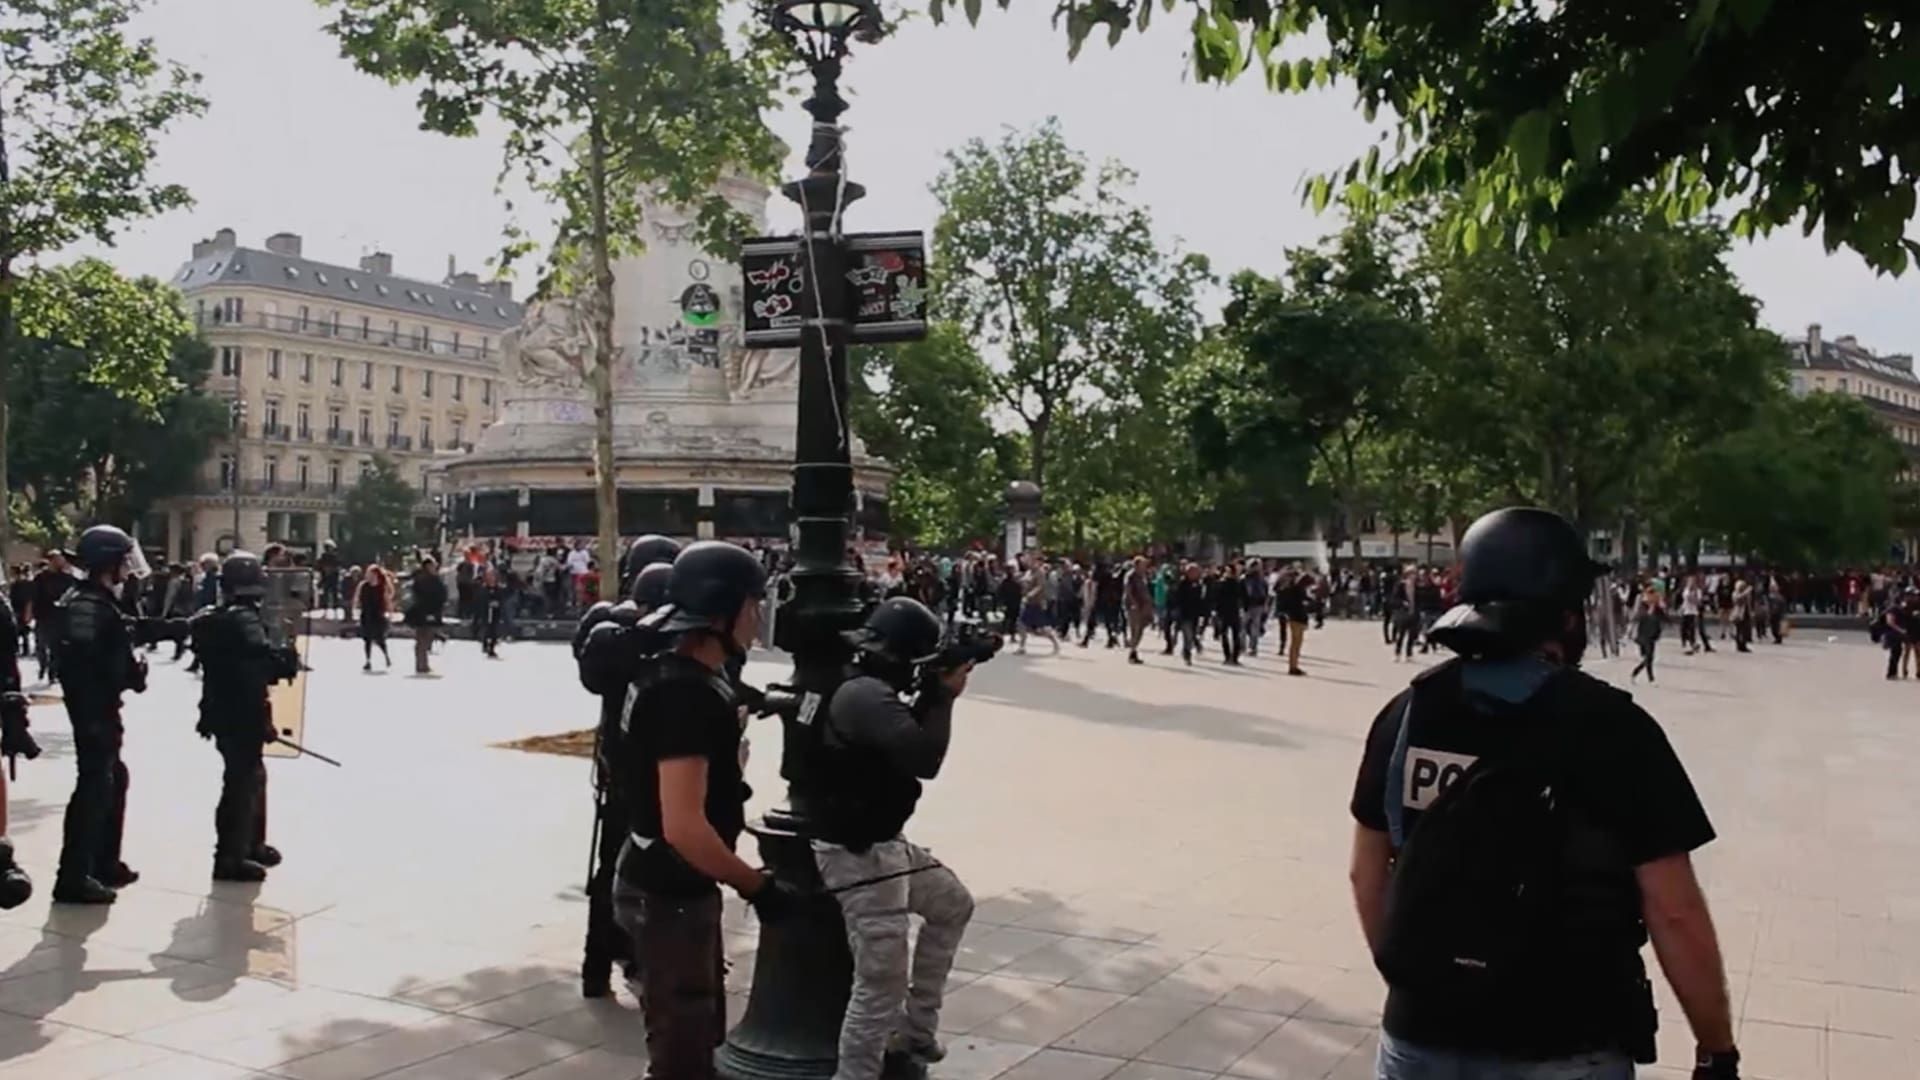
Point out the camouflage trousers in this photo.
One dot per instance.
(896, 988)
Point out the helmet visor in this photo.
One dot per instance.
(135, 564)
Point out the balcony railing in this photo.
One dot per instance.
(366, 439)
(315, 328)
(399, 442)
(276, 432)
(304, 434)
(340, 436)
(426, 444)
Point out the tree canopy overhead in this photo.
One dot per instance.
(1547, 114)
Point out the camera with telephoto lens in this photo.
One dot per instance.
(967, 643)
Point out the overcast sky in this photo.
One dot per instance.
(295, 139)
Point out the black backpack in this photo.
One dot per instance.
(1476, 903)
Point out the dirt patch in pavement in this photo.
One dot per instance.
(570, 744)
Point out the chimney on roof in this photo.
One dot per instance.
(222, 240)
(499, 290)
(377, 263)
(1813, 339)
(466, 279)
(284, 243)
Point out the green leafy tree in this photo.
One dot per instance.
(1812, 482)
(925, 408)
(378, 513)
(88, 449)
(1572, 376)
(81, 105)
(1320, 363)
(602, 101)
(1060, 282)
(1548, 114)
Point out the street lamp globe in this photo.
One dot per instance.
(821, 29)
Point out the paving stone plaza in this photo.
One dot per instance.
(1159, 855)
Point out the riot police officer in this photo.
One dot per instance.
(681, 777)
(887, 730)
(16, 741)
(241, 662)
(609, 646)
(1521, 829)
(97, 664)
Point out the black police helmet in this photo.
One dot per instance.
(242, 576)
(103, 547)
(1522, 569)
(902, 630)
(647, 550)
(712, 579)
(651, 585)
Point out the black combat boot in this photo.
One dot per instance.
(82, 890)
(119, 876)
(266, 855)
(238, 870)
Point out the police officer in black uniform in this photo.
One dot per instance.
(609, 646)
(97, 664)
(681, 775)
(240, 662)
(1522, 828)
(16, 741)
(887, 730)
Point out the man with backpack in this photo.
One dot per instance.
(1522, 830)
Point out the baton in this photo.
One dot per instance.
(306, 752)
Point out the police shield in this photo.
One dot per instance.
(284, 610)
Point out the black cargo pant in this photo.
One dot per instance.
(239, 819)
(97, 813)
(682, 977)
(606, 942)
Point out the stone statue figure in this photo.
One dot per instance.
(554, 344)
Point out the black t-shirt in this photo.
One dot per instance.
(1620, 774)
(682, 715)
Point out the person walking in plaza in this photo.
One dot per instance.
(1693, 629)
(1227, 597)
(1256, 599)
(1291, 602)
(1895, 628)
(1742, 614)
(1520, 830)
(49, 585)
(1137, 591)
(374, 598)
(1649, 617)
(426, 608)
(1036, 613)
(1190, 610)
(489, 609)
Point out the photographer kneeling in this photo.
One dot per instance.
(878, 748)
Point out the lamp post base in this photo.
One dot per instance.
(801, 976)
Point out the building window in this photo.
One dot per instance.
(456, 432)
(486, 347)
(333, 421)
(426, 433)
(301, 472)
(459, 386)
(396, 378)
(334, 320)
(272, 474)
(366, 374)
(420, 338)
(366, 327)
(273, 363)
(393, 427)
(306, 367)
(366, 468)
(333, 476)
(1843, 386)
(230, 360)
(339, 370)
(456, 341)
(305, 317)
(486, 391)
(366, 426)
(426, 385)
(231, 310)
(227, 476)
(272, 419)
(304, 414)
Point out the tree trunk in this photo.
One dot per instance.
(606, 491)
(6, 370)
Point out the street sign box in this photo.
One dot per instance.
(886, 281)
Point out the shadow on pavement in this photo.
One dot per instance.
(1029, 686)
